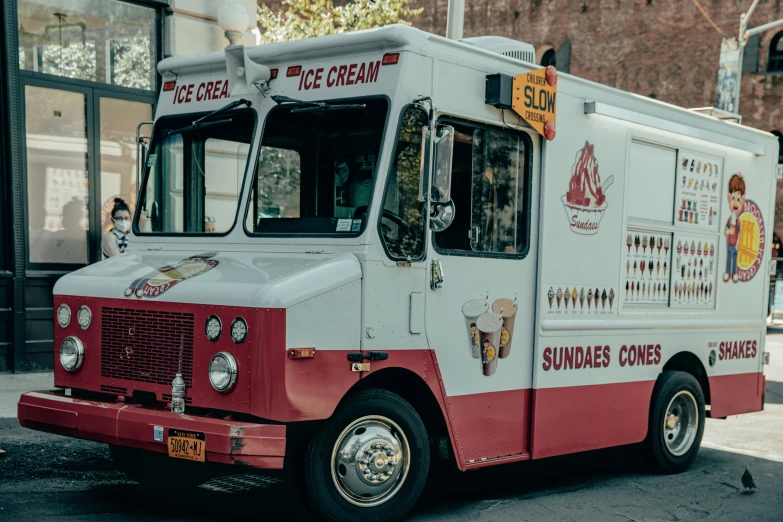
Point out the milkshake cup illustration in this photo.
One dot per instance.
(507, 309)
(472, 310)
(489, 327)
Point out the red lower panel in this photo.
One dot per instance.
(735, 394)
(491, 425)
(582, 418)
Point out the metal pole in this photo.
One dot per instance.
(762, 28)
(455, 20)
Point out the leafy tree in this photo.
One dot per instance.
(308, 18)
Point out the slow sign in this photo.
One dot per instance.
(535, 99)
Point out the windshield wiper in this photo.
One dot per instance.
(312, 106)
(200, 123)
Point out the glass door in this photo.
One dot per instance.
(117, 122)
(58, 181)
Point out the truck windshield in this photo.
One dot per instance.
(316, 169)
(194, 179)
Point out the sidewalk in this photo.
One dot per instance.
(14, 385)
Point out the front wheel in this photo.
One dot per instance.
(676, 422)
(369, 461)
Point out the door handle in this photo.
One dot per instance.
(436, 275)
(371, 356)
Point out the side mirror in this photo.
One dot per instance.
(441, 216)
(444, 150)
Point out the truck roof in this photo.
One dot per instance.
(607, 100)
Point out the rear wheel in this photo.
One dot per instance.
(676, 422)
(369, 461)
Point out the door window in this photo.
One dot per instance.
(489, 187)
(402, 220)
(119, 119)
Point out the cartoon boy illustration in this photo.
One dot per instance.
(474, 336)
(488, 352)
(736, 196)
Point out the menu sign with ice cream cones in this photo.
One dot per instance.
(646, 267)
(571, 300)
(695, 264)
(698, 195)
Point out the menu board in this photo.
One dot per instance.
(646, 267)
(698, 183)
(695, 261)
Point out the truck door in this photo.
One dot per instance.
(480, 302)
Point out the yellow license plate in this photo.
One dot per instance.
(188, 445)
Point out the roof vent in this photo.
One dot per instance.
(505, 46)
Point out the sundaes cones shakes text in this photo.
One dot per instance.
(585, 201)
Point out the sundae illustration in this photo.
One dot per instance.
(585, 202)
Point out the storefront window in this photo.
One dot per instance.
(57, 181)
(96, 40)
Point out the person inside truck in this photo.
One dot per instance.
(115, 241)
(209, 225)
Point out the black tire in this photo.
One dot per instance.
(322, 491)
(157, 471)
(662, 457)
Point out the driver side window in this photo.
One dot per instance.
(402, 220)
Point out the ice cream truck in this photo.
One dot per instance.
(355, 258)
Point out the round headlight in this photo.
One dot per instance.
(64, 315)
(84, 317)
(239, 330)
(71, 354)
(223, 372)
(213, 328)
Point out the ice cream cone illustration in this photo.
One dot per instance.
(567, 295)
(706, 248)
(664, 289)
(664, 269)
(627, 287)
(698, 250)
(596, 295)
(679, 247)
(636, 243)
(551, 296)
(603, 299)
(650, 267)
(712, 250)
(634, 268)
(627, 267)
(666, 246)
(633, 289)
(658, 268)
(629, 242)
(644, 244)
(660, 245)
(589, 298)
(644, 288)
(582, 298)
(559, 296)
(642, 266)
(574, 295)
(611, 298)
(693, 247)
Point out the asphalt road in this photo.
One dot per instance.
(47, 477)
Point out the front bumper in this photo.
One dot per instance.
(227, 441)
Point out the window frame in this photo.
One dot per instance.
(775, 56)
(527, 196)
(186, 180)
(392, 159)
(379, 156)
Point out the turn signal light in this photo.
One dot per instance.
(169, 86)
(301, 353)
(294, 70)
(390, 59)
(272, 74)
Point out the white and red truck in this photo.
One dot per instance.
(423, 249)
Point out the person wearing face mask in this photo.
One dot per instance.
(115, 241)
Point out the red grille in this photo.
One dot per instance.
(114, 389)
(147, 345)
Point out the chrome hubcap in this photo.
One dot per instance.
(680, 423)
(370, 461)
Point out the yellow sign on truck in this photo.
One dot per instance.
(535, 99)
